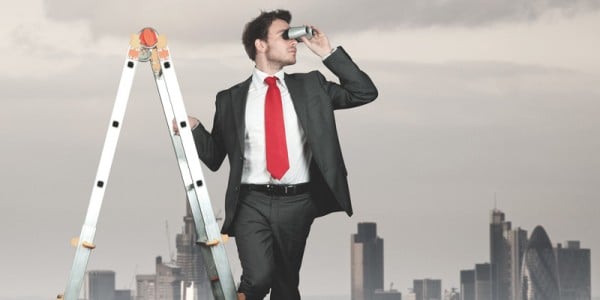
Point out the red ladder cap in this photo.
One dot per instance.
(148, 37)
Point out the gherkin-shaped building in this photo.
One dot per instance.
(539, 276)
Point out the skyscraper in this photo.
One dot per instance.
(539, 273)
(483, 282)
(499, 256)
(467, 285)
(366, 262)
(190, 260)
(168, 280)
(427, 289)
(574, 271)
(101, 285)
(517, 241)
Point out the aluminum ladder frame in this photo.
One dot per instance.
(148, 45)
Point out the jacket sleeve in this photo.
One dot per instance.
(210, 145)
(355, 87)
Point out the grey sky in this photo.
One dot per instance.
(476, 98)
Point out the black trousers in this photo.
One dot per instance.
(270, 233)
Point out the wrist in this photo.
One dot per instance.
(326, 54)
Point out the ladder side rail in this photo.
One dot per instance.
(207, 255)
(211, 227)
(190, 152)
(88, 231)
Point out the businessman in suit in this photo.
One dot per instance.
(286, 167)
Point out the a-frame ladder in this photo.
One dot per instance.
(149, 46)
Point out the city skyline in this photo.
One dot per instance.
(368, 264)
(476, 99)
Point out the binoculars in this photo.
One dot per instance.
(297, 32)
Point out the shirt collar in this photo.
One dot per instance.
(258, 78)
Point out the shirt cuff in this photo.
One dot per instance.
(328, 54)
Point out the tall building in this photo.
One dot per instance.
(101, 285)
(539, 273)
(483, 282)
(467, 285)
(574, 271)
(500, 256)
(168, 281)
(427, 289)
(190, 260)
(145, 287)
(517, 241)
(366, 262)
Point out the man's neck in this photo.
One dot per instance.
(268, 68)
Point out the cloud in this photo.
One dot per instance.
(223, 20)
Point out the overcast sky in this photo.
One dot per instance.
(480, 102)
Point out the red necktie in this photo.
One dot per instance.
(275, 143)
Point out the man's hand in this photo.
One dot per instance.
(319, 44)
(192, 123)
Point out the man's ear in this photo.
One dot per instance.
(261, 46)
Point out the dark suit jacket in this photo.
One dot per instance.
(314, 100)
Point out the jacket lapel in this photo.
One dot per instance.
(299, 98)
(239, 95)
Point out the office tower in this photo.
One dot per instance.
(427, 289)
(574, 271)
(145, 287)
(189, 258)
(101, 285)
(483, 282)
(499, 256)
(517, 241)
(168, 280)
(366, 262)
(387, 295)
(467, 285)
(539, 274)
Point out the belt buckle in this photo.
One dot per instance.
(270, 189)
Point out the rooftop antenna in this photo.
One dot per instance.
(495, 202)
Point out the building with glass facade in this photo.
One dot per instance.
(539, 275)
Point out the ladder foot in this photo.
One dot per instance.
(60, 296)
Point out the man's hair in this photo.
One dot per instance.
(259, 28)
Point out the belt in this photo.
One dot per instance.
(278, 189)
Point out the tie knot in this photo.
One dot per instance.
(271, 81)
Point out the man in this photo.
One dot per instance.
(286, 167)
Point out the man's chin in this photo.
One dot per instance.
(291, 62)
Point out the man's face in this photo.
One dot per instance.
(280, 51)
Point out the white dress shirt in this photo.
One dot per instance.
(255, 162)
